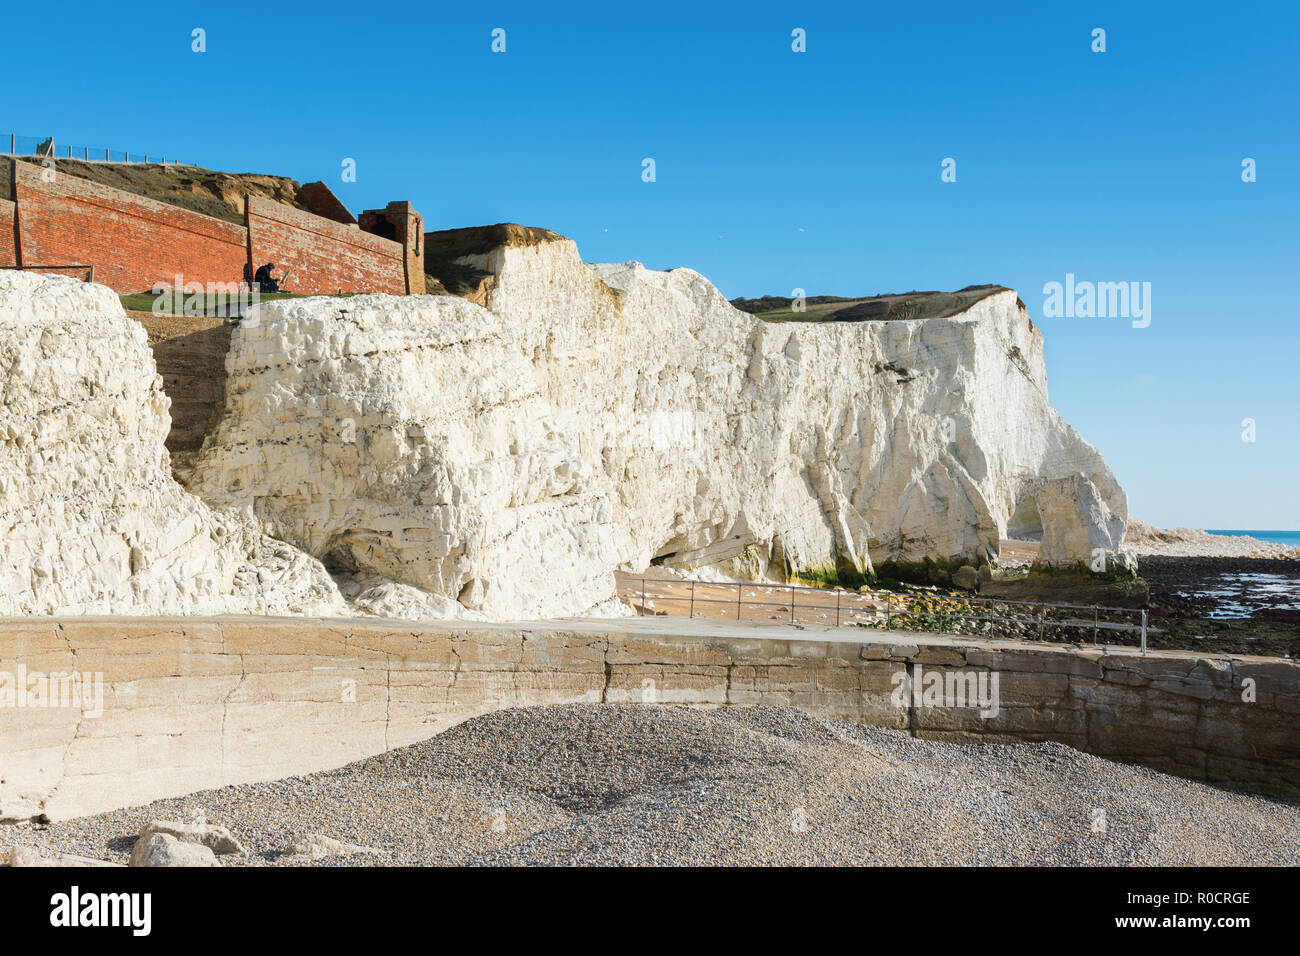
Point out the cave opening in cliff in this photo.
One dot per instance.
(1024, 532)
(1025, 523)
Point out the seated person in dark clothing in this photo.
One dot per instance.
(263, 279)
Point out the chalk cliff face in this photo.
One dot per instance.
(408, 438)
(90, 517)
(785, 446)
(591, 417)
(442, 459)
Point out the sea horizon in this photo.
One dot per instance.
(1276, 537)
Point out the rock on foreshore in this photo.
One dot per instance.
(315, 846)
(162, 849)
(216, 838)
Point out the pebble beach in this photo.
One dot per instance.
(637, 784)
(1147, 539)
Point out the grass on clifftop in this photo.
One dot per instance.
(878, 308)
(206, 191)
(212, 303)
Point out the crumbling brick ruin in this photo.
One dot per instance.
(50, 218)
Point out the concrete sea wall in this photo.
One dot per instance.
(187, 704)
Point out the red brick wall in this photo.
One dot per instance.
(131, 241)
(319, 199)
(325, 256)
(400, 221)
(8, 254)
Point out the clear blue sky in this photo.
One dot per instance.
(818, 170)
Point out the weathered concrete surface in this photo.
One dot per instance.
(193, 703)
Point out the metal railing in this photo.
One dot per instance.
(35, 146)
(881, 608)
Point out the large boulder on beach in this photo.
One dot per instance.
(1080, 524)
(26, 857)
(213, 836)
(162, 849)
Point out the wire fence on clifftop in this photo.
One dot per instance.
(19, 145)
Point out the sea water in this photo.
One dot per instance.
(1291, 538)
(1238, 595)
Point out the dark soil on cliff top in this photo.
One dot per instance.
(877, 308)
(206, 191)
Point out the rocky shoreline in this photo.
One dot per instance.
(1146, 540)
(1220, 593)
(1225, 604)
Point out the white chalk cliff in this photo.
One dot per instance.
(91, 519)
(407, 437)
(444, 459)
(596, 417)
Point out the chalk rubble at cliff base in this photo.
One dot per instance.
(1144, 538)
